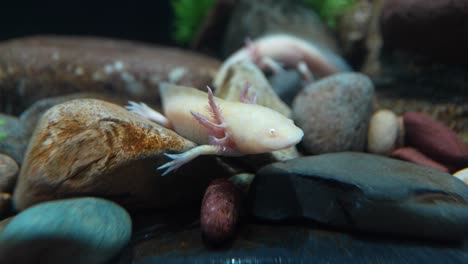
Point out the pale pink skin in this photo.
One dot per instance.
(220, 127)
(277, 51)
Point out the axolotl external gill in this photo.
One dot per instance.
(220, 127)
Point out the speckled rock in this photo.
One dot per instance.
(88, 146)
(334, 113)
(383, 133)
(15, 140)
(365, 192)
(8, 172)
(85, 230)
(434, 25)
(36, 67)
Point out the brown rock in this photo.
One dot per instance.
(8, 173)
(219, 211)
(435, 140)
(230, 85)
(413, 155)
(91, 147)
(36, 67)
(32, 114)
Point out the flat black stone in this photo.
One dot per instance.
(260, 243)
(363, 192)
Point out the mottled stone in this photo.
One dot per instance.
(36, 67)
(334, 113)
(8, 173)
(438, 26)
(14, 140)
(85, 230)
(219, 213)
(88, 146)
(364, 192)
(383, 133)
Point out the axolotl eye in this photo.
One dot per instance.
(272, 132)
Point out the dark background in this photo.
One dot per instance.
(149, 21)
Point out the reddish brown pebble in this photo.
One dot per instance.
(219, 211)
(413, 155)
(435, 140)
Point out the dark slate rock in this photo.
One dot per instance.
(363, 192)
(84, 230)
(260, 243)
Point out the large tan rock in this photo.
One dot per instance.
(91, 147)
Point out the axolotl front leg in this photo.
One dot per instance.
(221, 142)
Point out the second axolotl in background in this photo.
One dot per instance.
(220, 127)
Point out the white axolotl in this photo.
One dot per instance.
(220, 127)
(273, 52)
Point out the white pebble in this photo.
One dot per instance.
(462, 175)
(383, 132)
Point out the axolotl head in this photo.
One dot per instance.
(257, 129)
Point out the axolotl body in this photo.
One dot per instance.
(220, 127)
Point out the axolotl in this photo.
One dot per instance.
(220, 127)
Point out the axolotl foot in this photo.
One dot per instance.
(147, 112)
(180, 159)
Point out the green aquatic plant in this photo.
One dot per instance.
(2, 135)
(329, 10)
(189, 15)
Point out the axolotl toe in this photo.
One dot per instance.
(220, 127)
